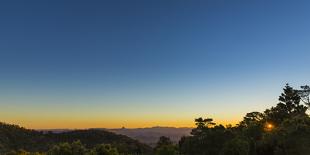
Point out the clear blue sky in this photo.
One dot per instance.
(79, 64)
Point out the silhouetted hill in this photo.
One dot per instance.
(145, 135)
(151, 135)
(13, 137)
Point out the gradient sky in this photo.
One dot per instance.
(83, 64)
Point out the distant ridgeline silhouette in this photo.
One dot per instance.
(151, 135)
(280, 130)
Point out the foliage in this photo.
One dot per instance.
(166, 150)
(236, 146)
(208, 142)
(75, 148)
(104, 149)
(165, 147)
(280, 130)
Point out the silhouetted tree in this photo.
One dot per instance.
(201, 125)
(166, 150)
(163, 140)
(288, 106)
(304, 94)
(165, 146)
(206, 138)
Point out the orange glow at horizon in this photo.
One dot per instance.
(102, 117)
(74, 124)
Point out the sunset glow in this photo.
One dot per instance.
(106, 64)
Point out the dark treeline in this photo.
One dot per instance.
(280, 130)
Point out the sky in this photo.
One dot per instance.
(143, 63)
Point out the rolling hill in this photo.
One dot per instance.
(151, 135)
(13, 137)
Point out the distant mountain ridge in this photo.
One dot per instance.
(151, 135)
(148, 135)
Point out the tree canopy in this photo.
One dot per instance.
(280, 130)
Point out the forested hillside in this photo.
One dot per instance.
(13, 137)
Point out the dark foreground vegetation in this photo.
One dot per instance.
(14, 140)
(281, 130)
